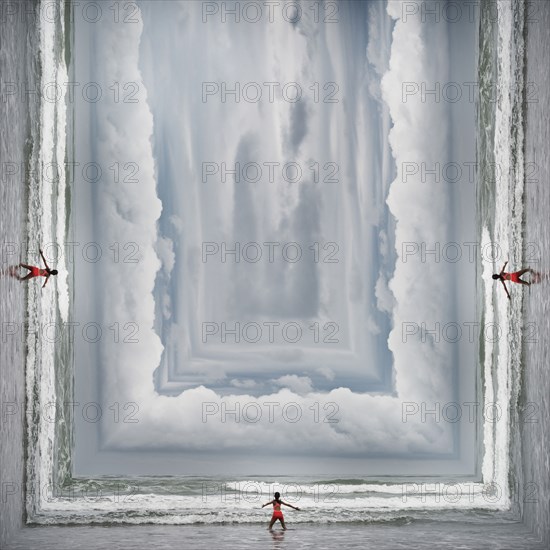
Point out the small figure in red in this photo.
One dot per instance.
(512, 277)
(37, 271)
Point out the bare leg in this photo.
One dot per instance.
(271, 524)
(28, 275)
(283, 524)
(520, 273)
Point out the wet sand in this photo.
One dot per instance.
(422, 535)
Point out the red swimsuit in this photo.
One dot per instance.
(513, 277)
(37, 272)
(277, 514)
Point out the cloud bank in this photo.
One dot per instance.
(367, 424)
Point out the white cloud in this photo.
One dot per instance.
(383, 244)
(327, 373)
(244, 384)
(177, 223)
(385, 300)
(378, 47)
(165, 251)
(166, 305)
(372, 326)
(297, 384)
(128, 213)
(419, 135)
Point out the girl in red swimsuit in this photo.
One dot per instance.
(512, 277)
(37, 271)
(277, 514)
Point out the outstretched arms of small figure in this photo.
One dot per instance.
(44, 260)
(289, 505)
(504, 285)
(282, 502)
(503, 267)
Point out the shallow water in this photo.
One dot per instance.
(17, 67)
(425, 535)
(535, 422)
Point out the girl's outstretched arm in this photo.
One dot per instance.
(290, 505)
(45, 281)
(268, 503)
(504, 285)
(44, 259)
(503, 267)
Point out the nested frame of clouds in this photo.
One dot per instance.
(364, 420)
